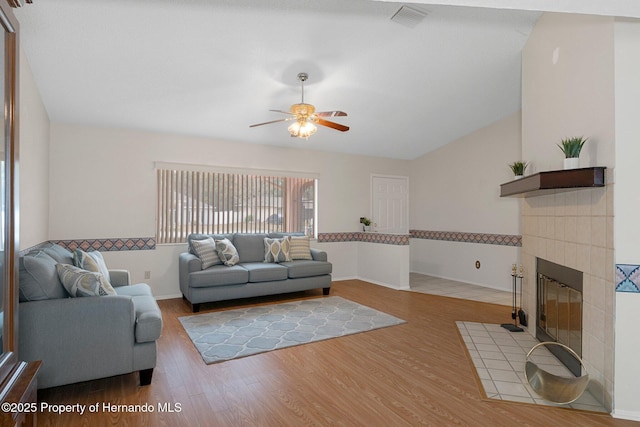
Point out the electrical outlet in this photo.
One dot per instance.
(147, 275)
(478, 265)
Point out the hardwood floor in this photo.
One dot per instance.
(413, 374)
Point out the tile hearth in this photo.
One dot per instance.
(499, 358)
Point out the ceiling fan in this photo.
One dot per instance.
(306, 118)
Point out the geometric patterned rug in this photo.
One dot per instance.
(226, 335)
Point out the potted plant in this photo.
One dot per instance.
(366, 223)
(518, 169)
(571, 148)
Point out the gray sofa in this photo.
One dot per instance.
(84, 338)
(252, 276)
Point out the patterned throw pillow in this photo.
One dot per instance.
(206, 251)
(277, 250)
(91, 261)
(83, 283)
(300, 248)
(227, 252)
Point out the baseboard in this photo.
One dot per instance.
(484, 285)
(172, 296)
(386, 285)
(626, 415)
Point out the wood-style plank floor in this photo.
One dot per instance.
(413, 374)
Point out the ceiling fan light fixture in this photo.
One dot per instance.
(302, 129)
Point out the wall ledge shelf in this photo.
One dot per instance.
(552, 181)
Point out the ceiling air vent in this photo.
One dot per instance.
(408, 16)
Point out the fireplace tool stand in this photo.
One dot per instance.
(513, 327)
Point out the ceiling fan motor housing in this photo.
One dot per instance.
(302, 109)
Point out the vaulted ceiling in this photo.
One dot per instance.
(211, 68)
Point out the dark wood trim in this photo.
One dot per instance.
(548, 182)
(17, 379)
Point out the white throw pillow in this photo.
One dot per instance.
(83, 283)
(227, 252)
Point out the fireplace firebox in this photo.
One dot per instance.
(559, 310)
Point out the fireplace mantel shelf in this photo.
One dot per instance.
(547, 182)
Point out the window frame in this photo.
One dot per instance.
(175, 220)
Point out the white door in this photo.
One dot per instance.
(390, 200)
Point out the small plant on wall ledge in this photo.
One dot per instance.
(366, 223)
(571, 147)
(518, 168)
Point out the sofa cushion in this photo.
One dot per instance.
(276, 250)
(265, 272)
(227, 252)
(83, 283)
(303, 268)
(218, 275)
(250, 246)
(300, 248)
(134, 290)
(206, 250)
(39, 278)
(91, 261)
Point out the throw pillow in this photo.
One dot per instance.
(91, 261)
(227, 252)
(39, 279)
(83, 283)
(276, 250)
(60, 254)
(206, 251)
(300, 248)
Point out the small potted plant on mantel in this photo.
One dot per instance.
(366, 223)
(518, 169)
(571, 148)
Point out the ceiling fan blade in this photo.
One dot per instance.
(281, 111)
(331, 114)
(333, 125)
(272, 121)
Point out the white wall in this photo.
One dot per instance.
(34, 161)
(567, 90)
(626, 205)
(103, 185)
(457, 188)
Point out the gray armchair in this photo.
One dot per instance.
(85, 338)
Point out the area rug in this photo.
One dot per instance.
(226, 335)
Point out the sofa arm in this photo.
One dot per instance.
(318, 255)
(78, 338)
(187, 263)
(120, 277)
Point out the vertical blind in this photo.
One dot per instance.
(212, 202)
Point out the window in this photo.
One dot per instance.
(201, 201)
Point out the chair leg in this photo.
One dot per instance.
(145, 376)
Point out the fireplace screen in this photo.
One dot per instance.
(559, 316)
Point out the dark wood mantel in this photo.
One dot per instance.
(551, 181)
